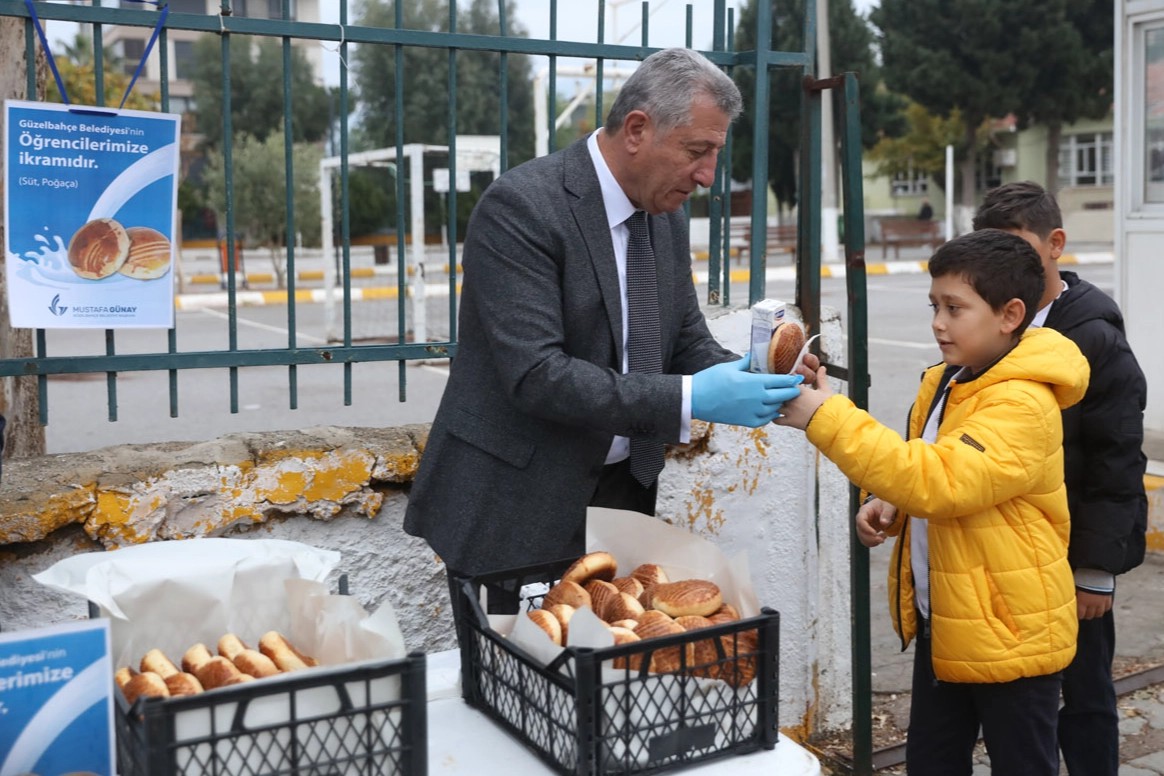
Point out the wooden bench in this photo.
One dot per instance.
(780, 239)
(908, 231)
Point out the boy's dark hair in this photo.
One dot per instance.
(999, 267)
(1024, 205)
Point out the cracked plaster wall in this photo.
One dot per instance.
(761, 494)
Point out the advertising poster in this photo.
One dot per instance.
(56, 701)
(89, 216)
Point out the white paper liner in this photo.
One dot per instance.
(643, 711)
(172, 595)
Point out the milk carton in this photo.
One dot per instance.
(767, 314)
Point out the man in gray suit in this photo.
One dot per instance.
(541, 414)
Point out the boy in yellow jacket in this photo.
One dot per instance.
(979, 573)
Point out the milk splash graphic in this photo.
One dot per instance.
(49, 266)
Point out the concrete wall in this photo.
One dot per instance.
(763, 493)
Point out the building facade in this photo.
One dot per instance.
(130, 42)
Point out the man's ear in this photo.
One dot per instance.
(1057, 239)
(1013, 313)
(635, 128)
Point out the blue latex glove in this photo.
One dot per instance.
(729, 393)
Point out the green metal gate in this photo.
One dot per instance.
(349, 353)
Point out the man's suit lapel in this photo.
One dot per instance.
(580, 179)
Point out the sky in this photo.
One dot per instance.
(577, 21)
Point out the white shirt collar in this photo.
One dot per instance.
(618, 205)
(1041, 316)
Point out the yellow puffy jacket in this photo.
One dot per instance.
(1002, 596)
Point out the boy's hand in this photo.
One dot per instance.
(797, 412)
(872, 519)
(1090, 605)
(808, 368)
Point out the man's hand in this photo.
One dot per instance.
(1092, 605)
(729, 393)
(800, 410)
(872, 519)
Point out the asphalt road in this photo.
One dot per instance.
(79, 407)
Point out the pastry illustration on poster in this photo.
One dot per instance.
(56, 701)
(89, 217)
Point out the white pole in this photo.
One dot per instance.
(949, 192)
(541, 115)
(416, 255)
(328, 250)
(828, 188)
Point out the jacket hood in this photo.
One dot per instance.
(1043, 355)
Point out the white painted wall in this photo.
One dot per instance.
(1139, 223)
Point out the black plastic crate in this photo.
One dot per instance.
(626, 721)
(341, 721)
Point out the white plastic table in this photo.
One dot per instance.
(462, 740)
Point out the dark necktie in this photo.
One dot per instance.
(644, 353)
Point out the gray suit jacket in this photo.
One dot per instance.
(535, 395)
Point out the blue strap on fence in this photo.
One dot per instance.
(52, 62)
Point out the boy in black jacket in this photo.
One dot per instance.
(1104, 469)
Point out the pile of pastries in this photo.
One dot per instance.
(646, 604)
(200, 670)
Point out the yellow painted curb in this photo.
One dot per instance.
(1155, 487)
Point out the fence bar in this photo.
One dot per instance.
(858, 362)
(503, 77)
(172, 332)
(345, 198)
(402, 167)
(452, 195)
(758, 254)
(289, 233)
(552, 100)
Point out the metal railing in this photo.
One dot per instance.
(342, 37)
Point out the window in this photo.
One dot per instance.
(1086, 160)
(909, 182)
(131, 53)
(263, 9)
(1154, 114)
(987, 173)
(183, 59)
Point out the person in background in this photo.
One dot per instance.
(1103, 449)
(976, 499)
(926, 213)
(546, 412)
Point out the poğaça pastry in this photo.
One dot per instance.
(784, 347)
(235, 663)
(98, 249)
(660, 608)
(149, 254)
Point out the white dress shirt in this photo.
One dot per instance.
(618, 209)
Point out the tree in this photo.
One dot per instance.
(19, 399)
(982, 57)
(260, 185)
(1075, 75)
(75, 63)
(425, 70)
(852, 50)
(921, 149)
(256, 91)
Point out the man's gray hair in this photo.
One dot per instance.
(665, 85)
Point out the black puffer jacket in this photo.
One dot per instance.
(1103, 435)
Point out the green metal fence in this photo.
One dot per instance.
(346, 352)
